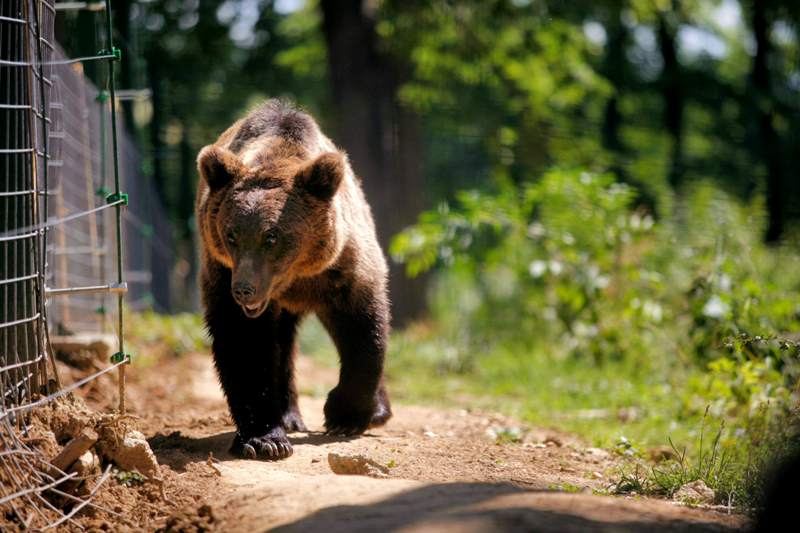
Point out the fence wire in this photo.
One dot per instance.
(65, 168)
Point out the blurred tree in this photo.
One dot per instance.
(615, 68)
(671, 85)
(381, 136)
(767, 143)
(432, 97)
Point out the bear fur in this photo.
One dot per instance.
(286, 231)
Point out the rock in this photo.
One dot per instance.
(695, 492)
(74, 449)
(358, 465)
(86, 464)
(131, 452)
(597, 452)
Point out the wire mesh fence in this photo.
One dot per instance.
(63, 237)
(24, 180)
(82, 252)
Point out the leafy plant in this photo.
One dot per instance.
(563, 282)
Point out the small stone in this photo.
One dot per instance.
(597, 452)
(358, 465)
(430, 434)
(86, 464)
(534, 445)
(695, 492)
(133, 453)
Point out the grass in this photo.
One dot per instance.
(630, 409)
(151, 336)
(600, 403)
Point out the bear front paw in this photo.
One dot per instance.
(347, 416)
(272, 445)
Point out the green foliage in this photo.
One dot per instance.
(128, 478)
(151, 335)
(569, 260)
(561, 295)
(497, 99)
(549, 259)
(735, 471)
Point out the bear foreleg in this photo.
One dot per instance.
(360, 400)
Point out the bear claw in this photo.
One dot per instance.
(249, 451)
(272, 445)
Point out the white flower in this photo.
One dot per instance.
(555, 267)
(652, 310)
(536, 230)
(715, 307)
(585, 330)
(537, 268)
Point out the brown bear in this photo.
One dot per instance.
(286, 231)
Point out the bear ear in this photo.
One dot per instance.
(322, 176)
(218, 166)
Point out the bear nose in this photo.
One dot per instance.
(243, 291)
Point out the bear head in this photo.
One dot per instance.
(271, 222)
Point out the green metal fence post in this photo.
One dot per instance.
(120, 356)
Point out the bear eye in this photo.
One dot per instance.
(270, 239)
(230, 237)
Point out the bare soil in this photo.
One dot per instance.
(446, 471)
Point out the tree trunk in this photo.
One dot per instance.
(768, 143)
(672, 94)
(614, 71)
(381, 137)
(156, 123)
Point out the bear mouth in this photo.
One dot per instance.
(254, 310)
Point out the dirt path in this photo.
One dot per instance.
(447, 472)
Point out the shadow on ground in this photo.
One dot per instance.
(466, 507)
(177, 450)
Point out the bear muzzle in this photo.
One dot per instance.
(246, 296)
